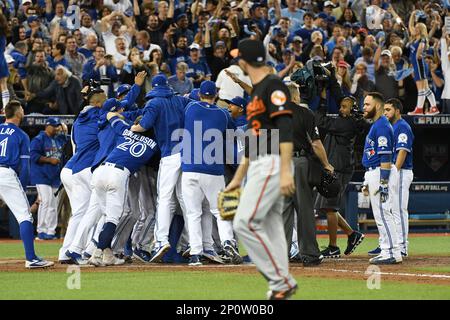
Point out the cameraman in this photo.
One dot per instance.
(339, 142)
(307, 145)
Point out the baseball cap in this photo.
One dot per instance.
(208, 88)
(256, 5)
(220, 44)
(328, 4)
(297, 38)
(123, 89)
(357, 25)
(331, 19)
(194, 95)
(347, 25)
(53, 121)
(26, 1)
(181, 16)
(159, 80)
(321, 15)
(252, 51)
(32, 18)
(386, 53)
(194, 46)
(111, 105)
(238, 101)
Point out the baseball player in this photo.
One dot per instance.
(202, 177)
(403, 165)
(76, 175)
(110, 183)
(259, 221)
(14, 172)
(46, 156)
(165, 113)
(377, 159)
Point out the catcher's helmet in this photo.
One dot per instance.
(329, 185)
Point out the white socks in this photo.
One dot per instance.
(5, 98)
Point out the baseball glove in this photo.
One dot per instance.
(228, 203)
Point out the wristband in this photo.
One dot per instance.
(384, 175)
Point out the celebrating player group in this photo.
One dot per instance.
(144, 181)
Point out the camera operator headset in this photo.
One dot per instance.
(339, 143)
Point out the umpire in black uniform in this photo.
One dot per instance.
(339, 143)
(307, 144)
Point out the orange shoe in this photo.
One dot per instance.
(433, 111)
(417, 111)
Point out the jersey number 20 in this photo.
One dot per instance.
(137, 149)
(3, 146)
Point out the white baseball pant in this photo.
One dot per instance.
(168, 184)
(400, 199)
(47, 212)
(78, 188)
(383, 215)
(12, 193)
(196, 187)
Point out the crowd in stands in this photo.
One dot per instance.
(54, 47)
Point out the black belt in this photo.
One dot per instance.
(118, 166)
(298, 154)
(4, 166)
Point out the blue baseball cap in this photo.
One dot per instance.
(357, 25)
(111, 105)
(321, 15)
(53, 121)
(238, 101)
(32, 18)
(123, 89)
(331, 19)
(194, 95)
(208, 88)
(159, 80)
(347, 25)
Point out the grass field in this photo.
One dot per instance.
(344, 279)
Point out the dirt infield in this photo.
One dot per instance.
(348, 268)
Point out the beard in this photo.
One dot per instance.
(370, 114)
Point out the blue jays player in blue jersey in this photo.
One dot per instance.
(46, 155)
(110, 183)
(203, 171)
(165, 113)
(377, 159)
(76, 175)
(417, 57)
(14, 173)
(403, 167)
(4, 70)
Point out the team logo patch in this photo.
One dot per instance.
(278, 98)
(382, 141)
(402, 138)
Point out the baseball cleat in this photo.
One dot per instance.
(142, 255)
(38, 263)
(353, 241)
(232, 252)
(384, 260)
(213, 256)
(374, 252)
(195, 260)
(312, 261)
(294, 250)
(331, 253)
(109, 259)
(76, 258)
(41, 236)
(97, 258)
(185, 252)
(159, 254)
(282, 295)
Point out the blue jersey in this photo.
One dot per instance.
(413, 48)
(133, 150)
(379, 141)
(84, 136)
(15, 150)
(404, 139)
(19, 64)
(44, 146)
(200, 152)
